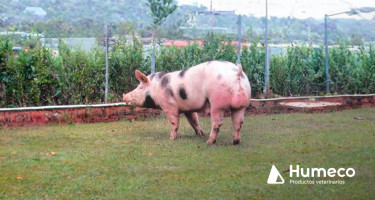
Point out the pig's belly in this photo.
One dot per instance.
(193, 104)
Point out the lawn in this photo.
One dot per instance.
(136, 160)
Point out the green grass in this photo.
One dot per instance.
(136, 160)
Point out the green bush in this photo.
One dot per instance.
(252, 61)
(81, 76)
(5, 76)
(124, 60)
(29, 81)
(343, 69)
(365, 80)
(299, 72)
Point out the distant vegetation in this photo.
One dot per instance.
(37, 77)
(86, 18)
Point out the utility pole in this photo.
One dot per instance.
(106, 64)
(153, 52)
(326, 52)
(266, 69)
(212, 14)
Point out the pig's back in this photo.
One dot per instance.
(216, 81)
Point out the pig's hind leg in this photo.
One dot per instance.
(192, 117)
(237, 121)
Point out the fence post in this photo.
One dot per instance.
(326, 52)
(153, 51)
(266, 69)
(239, 40)
(106, 64)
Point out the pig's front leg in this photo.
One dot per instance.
(192, 117)
(174, 120)
(217, 116)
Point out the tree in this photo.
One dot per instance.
(356, 40)
(160, 10)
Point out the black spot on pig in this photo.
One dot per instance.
(149, 102)
(182, 93)
(164, 82)
(182, 73)
(152, 77)
(169, 92)
(161, 74)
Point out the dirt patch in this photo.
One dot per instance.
(310, 104)
(4, 139)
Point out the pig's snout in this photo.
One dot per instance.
(124, 97)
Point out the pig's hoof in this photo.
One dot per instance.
(236, 141)
(211, 142)
(173, 137)
(200, 134)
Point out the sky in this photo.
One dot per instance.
(301, 9)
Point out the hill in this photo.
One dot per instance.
(86, 18)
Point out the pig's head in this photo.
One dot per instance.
(140, 96)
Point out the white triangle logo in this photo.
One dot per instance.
(274, 174)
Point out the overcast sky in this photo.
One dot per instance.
(293, 8)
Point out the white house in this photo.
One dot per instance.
(37, 11)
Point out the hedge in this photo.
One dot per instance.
(36, 77)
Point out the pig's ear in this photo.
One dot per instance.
(140, 76)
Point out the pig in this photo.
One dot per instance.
(213, 87)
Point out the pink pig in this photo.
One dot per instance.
(213, 87)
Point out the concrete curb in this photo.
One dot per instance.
(119, 111)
